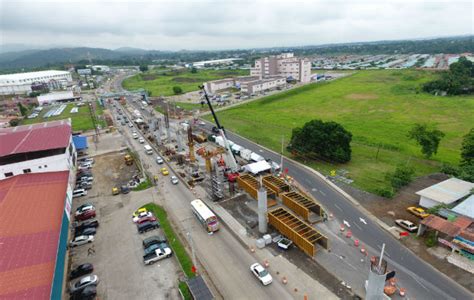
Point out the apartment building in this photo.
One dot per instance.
(285, 64)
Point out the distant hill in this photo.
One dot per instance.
(131, 50)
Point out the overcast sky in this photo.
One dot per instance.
(175, 25)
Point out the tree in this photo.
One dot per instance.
(467, 149)
(402, 176)
(177, 90)
(14, 122)
(194, 70)
(143, 68)
(328, 140)
(426, 138)
(23, 110)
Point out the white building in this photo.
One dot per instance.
(284, 64)
(445, 192)
(64, 96)
(204, 63)
(38, 148)
(101, 68)
(20, 83)
(219, 85)
(260, 85)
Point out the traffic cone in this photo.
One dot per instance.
(356, 243)
(284, 280)
(349, 234)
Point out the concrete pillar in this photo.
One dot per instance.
(262, 210)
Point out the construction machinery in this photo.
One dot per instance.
(128, 160)
(207, 155)
(232, 169)
(192, 158)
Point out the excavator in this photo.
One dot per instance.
(232, 168)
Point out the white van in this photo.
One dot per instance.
(148, 149)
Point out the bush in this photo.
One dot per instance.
(183, 287)
(430, 240)
(384, 193)
(177, 90)
(14, 122)
(449, 169)
(402, 176)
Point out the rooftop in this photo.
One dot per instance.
(466, 208)
(28, 75)
(450, 228)
(35, 137)
(64, 95)
(31, 208)
(447, 191)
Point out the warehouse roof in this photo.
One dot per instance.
(31, 75)
(447, 191)
(31, 212)
(36, 137)
(466, 208)
(56, 96)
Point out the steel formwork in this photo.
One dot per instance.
(302, 205)
(250, 185)
(276, 184)
(302, 234)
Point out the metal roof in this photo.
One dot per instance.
(80, 142)
(447, 191)
(466, 208)
(31, 209)
(199, 289)
(450, 228)
(36, 137)
(31, 75)
(56, 96)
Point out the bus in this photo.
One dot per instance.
(207, 218)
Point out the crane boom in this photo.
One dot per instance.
(231, 159)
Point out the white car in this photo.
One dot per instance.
(284, 243)
(79, 193)
(83, 208)
(174, 180)
(142, 215)
(130, 125)
(141, 140)
(261, 273)
(159, 254)
(81, 240)
(135, 135)
(159, 160)
(406, 225)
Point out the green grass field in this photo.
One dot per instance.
(161, 82)
(379, 107)
(81, 120)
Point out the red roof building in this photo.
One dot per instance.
(33, 235)
(35, 137)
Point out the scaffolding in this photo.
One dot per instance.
(302, 234)
(303, 206)
(251, 185)
(276, 184)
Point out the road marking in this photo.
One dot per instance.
(362, 220)
(346, 223)
(324, 194)
(337, 206)
(357, 225)
(314, 190)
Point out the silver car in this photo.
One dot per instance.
(84, 282)
(81, 240)
(174, 180)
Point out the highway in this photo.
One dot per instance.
(225, 260)
(428, 282)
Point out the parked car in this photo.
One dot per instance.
(86, 160)
(84, 208)
(86, 216)
(83, 283)
(135, 135)
(147, 226)
(87, 185)
(115, 190)
(87, 293)
(124, 189)
(81, 240)
(130, 125)
(85, 231)
(284, 243)
(79, 193)
(156, 239)
(139, 211)
(157, 255)
(418, 211)
(159, 160)
(146, 219)
(405, 224)
(88, 223)
(261, 273)
(81, 270)
(141, 140)
(164, 171)
(84, 167)
(82, 173)
(142, 215)
(174, 180)
(84, 178)
(154, 247)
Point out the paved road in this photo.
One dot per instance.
(429, 283)
(223, 257)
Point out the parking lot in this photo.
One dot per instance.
(117, 252)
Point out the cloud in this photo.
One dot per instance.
(174, 25)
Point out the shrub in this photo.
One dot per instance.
(402, 176)
(430, 240)
(177, 90)
(387, 193)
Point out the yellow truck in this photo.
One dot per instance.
(128, 160)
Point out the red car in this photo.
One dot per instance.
(146, 219)
(86, 215)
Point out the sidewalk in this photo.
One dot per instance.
(299, 283)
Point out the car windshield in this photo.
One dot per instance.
(263, 273)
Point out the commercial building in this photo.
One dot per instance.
(219, 85)
(214, 62)
(445, 192)
(37, 148)
(20, 83)
(101, 68)
(55, 97)
(255, 86)
(285, 65)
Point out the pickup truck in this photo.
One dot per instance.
(159, 254)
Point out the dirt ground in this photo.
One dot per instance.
(388, 210)
(243, 209)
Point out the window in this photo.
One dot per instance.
(39, 167)
(9, 174)
(45, 166)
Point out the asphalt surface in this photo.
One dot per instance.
(429, 282)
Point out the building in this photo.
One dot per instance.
(37, 148)
(285, 65)
(219, 85)
(466, 207)
(20, 83)
(83, 72)
(64, 96)
(34, 225)
(446, 192)
(261, 85)
(214, 62)
(101, 68)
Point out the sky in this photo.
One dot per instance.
(208, 25)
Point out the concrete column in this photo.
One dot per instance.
(262, 210)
